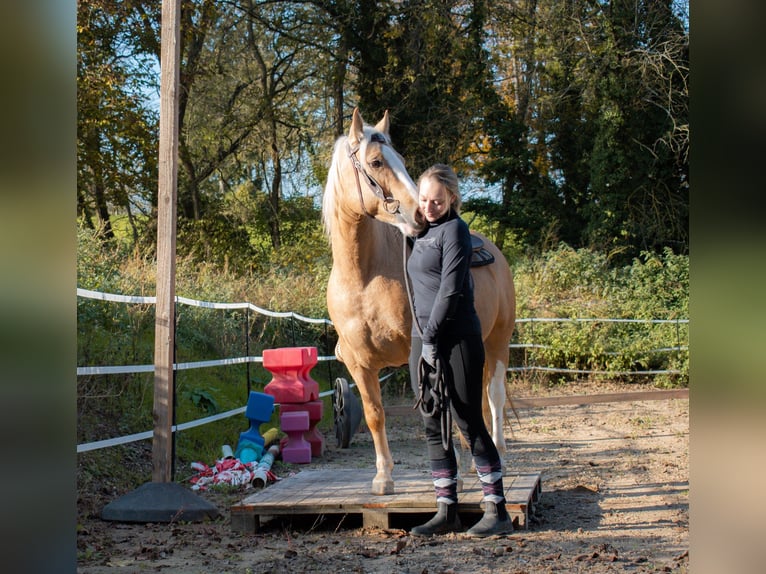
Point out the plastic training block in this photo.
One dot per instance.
(291, 379)
(315, 409)
(297, 449)
(248, 451)
(294, 421)
(313, 435)
(260, 407)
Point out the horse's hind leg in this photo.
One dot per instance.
(494, 406)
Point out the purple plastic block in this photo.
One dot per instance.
(294, 421)
(313, 435)
(297, 449)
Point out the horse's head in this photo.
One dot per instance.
(374, 177)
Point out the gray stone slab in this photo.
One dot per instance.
(160, 502)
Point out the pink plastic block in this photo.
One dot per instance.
(297, 449)
(315, 410)
(291, 379)
(294, 421)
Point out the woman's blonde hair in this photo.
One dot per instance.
(445, 175)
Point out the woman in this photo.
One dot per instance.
(447, 329)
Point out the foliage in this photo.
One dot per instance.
(116, 125)
(203, 399)
(585, 129)
(581, 284)
(573, 115)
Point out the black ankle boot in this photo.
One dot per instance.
(496, 520)
(445, 520)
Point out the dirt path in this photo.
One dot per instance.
(615, 498)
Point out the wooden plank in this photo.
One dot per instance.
(346, 491)
(374, 518)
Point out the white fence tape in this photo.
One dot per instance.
(533, 368)
(107, 370)
(88, 294)
(589, 371)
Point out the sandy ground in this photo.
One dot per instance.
(615, 498)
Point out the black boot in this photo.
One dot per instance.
(445, 520)
(496, 520)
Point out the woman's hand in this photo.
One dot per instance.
(428, 353)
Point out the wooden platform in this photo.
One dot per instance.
(345, 492)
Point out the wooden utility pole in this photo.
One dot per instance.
(164, 332)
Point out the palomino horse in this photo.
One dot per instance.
(370, 203)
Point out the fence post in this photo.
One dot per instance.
(328, 351)
(174, 375)
(247, 348)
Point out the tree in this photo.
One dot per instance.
(241, 120)
(587, 129)
(638, 182)
(116, 128)
(513, 149)
(578, 111)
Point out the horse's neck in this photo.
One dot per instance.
(366, 248)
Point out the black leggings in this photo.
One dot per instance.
(466, 363)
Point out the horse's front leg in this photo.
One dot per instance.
(375, 416)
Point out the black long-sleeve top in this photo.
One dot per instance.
(442, 286)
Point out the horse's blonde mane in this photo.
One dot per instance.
(328, 199)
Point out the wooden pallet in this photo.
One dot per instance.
(346, 492)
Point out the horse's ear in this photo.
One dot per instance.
(384, 124)
(356, 132)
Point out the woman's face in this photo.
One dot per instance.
(434, 199)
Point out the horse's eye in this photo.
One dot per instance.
(376, 164)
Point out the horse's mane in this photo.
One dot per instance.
(328, 199)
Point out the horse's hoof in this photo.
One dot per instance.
(382, 487)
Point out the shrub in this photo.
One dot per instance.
(580, 284)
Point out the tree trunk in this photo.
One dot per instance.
(276, 185)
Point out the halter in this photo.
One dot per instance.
(390, 204)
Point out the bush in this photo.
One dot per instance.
(580, 284)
